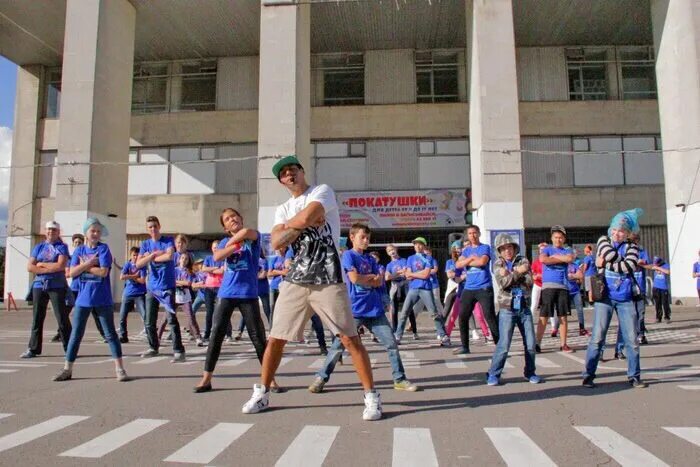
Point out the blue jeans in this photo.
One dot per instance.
(412, 297)
(80, 317)
(627, 317)
(381, 329)
(128, 304)
(641, 327)
(507, 320)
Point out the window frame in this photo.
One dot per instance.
(429, 66)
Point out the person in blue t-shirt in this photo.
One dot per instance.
(240, 252)
(618, 259)
(574, 275)
(157, 253)
(418, 269)
(476, 259)
(434, 283)
(215, 274)
(696, 276)
(279, 267)
(589, 270)
(134, 295)
(47, 262)
(662, 299)
(555, 260)
(198, 284)
(263, 295)
(365, 282)
(394, 275)
(91, 264)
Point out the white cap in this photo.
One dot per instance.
(52, 225)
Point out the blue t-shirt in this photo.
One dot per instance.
(182, 274)
(451, 266)
(395, 265)
(417, 263)
(200, 277)
(573, 284)
(382, 270)
(133, 288)
(478, 277)
(661, 279)
(619, 284)
(240, 271)
(176, 257)
(640, 273)
(589, 262)
(696, 269)
(277, 264)
(161, 276)
(555, 273)
(434, 283)
(366, 302)
(94, 290)
(263, 284)
(46, 252)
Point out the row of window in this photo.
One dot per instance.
(593, 74)
(548, 162)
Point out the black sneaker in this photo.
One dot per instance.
(324, 351)
(124, 340)
(538, 349)
(56, 338)
(588, 382)
(620, 356)
(637, 383)
(643, 340)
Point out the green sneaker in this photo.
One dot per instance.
(405, 385)
(317, 386)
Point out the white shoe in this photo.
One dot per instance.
(373, 406)
(259, 401)
(475, 336)
(445, 341)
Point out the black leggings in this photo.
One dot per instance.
(449, 303)
(222, 319)
(467, 302)
(40, 301)
(662, 302)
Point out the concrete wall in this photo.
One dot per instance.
(585, 207)
(386, 121)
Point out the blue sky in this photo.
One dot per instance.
(8, 83)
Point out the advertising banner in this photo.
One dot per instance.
(403, 209)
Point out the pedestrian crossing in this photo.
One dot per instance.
(313, 444)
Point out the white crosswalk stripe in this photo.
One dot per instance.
(5, 415)
(310, 447)
(235, 361)
(624, 451)
(318, 363)
(148, 361)
(544, 362)
(39, 430)
(455, 364)
(516, 448)
(209, 444)
(22, 364)
(690, 387)
(6, 370)
(112, 440)
(413, 447)
(688, 433)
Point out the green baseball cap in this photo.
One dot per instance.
(420, 240)
(288, 160)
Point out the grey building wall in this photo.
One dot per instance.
(237, 83)
(390, 77)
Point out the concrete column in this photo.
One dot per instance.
(22, 187)
(676, 26)
(95, 120)
(497, 192)
(284, 114)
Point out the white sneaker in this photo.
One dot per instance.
(445, 341)
(259, 401)
(373, 406)
(475, 336)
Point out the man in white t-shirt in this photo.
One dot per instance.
(310, 222)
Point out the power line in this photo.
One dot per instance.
(280, 156)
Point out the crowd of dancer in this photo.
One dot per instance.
(312, 279)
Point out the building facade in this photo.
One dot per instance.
(519, 114)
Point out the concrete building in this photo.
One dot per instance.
(521, 113)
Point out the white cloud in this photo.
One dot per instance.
(5, 153)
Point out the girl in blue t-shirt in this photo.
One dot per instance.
(91, 264)
(239, 252)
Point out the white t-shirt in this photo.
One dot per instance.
(316, 258)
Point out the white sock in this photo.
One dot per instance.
(68, 366)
